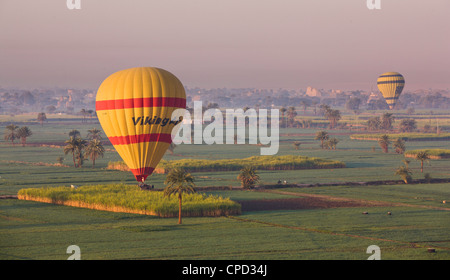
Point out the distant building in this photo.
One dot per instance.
(313, 92)
(373, 97)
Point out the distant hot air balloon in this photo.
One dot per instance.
(391, 85)
(134, 107)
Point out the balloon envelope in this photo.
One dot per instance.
(391, 85)
(134, 107)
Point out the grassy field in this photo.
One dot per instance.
(287, 162)
(437, 153)
(419, 220)
(404, 136)
(131, 199)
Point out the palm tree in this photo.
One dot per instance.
(80, 144)
(84, 113)
(291, 115)
(23, 133)
(178, 181)
(408, 125)
(422, 156)
(374, 123)
(11, 133)
(248, 177)
(42, 117)
(332, 143)
(71, 147)
(333, 116)
(304, 104)
(74, 133)
(90, 112)
(283, 110)
(384, 142)
(387, 120)
(405, 173)
(75, 146)
(314, 103)
(322, 136)
(94, 150)
(94, 133)
(399, 146)
(324, 108)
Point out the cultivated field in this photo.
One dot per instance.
(332, 220)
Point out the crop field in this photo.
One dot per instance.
(131, 199)
(333, 220)
(404, 136)
(433, 153)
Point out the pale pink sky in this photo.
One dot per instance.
(227, 43)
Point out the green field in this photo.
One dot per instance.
(419, 220)
(442, 153)
(131, 199)
(404, 136)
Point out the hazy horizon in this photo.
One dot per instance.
(235, 44)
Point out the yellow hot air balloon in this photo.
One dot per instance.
(134, 107)
(391, 85)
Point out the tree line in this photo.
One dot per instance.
(386, 121)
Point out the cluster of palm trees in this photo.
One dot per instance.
(332, 115)
(405, 173)
(13, 132)
(86, 113)
(384, 123)
(291, 113)
(408, 125)
(330, 143)
(80, 148)
(288, 116)
(399, 145)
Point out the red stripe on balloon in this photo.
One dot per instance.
(142, 173)
(140, 102)
(140, 138)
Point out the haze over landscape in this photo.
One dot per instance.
(212, 44)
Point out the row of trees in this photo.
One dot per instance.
(80, 148)
(42, 117)
(288, 116)
(386, 123)
(13, 132)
